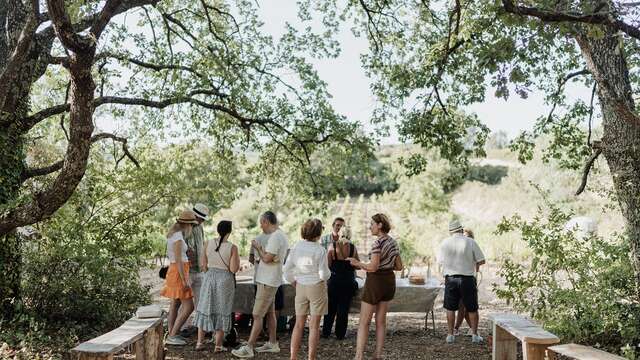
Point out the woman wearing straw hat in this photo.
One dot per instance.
(177, 286)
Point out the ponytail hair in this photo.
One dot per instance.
(224, 229)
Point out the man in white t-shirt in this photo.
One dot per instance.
(261, 239)
(268, 278)
(460, 256)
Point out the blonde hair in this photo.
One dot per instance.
(185, 228)
(344, 235)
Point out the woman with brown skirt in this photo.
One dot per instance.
(380, 285)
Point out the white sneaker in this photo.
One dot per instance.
(175, 340)
(244, 351)
(450, 339)
(269, 348)
(476, 339)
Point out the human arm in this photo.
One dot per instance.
(177, 248)
(273, 248)
(289, 268)
(478, 256)
(323, 269)
(355, 253)
(397, 263)
(204, 259)
(234, 262)
(330, 254)
(371, 266)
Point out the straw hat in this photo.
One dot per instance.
(202, 211)
(187, 217)
(454, 225)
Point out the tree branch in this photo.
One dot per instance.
(587, 168)
(65, 31)
(30, 173)
(561, 83)
(601, 18)
(155, 67)
(103, 18)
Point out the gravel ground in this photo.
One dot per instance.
(406, 339)
(406, 336)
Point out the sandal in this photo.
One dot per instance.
(219, 349)
(200, 347)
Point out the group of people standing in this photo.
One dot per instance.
(201, 277)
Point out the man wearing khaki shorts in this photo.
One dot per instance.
(268, 278)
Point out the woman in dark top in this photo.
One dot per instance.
(342, 284)
(380, 286)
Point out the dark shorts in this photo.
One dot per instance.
(279, 302)
(379, 286)
(459, 287)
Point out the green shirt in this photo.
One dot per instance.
(195, 243)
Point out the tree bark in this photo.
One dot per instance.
(621, 138)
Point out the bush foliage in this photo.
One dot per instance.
(580, 287)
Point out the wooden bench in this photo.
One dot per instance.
(144, 334)
(580, 352)
(509, 328)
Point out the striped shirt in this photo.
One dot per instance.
(388, 249)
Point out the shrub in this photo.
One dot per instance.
(79, 276)
(581, 288)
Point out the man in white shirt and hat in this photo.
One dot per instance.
(459, 256)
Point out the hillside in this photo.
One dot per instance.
(420, 207)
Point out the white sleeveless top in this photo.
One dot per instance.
(171, 253)
(215, 259)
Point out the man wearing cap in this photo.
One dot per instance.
(459, 256)
(195, 253)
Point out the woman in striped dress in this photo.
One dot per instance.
(380, 285)
(221, 262)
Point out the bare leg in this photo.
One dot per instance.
(219, 338)
(173, 313)
(451, 318)
(366, 312)
(314, 336)
(200, 336)
(466, 317)
(461, 315)
(185, 310)
(272, 325)
(255, 330)
(296, 336)
(473, 318)
(381, 327)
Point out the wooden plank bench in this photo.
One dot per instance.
(145, 334)
(509, 328)
(580, 352)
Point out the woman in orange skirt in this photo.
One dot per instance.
(177, 286)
